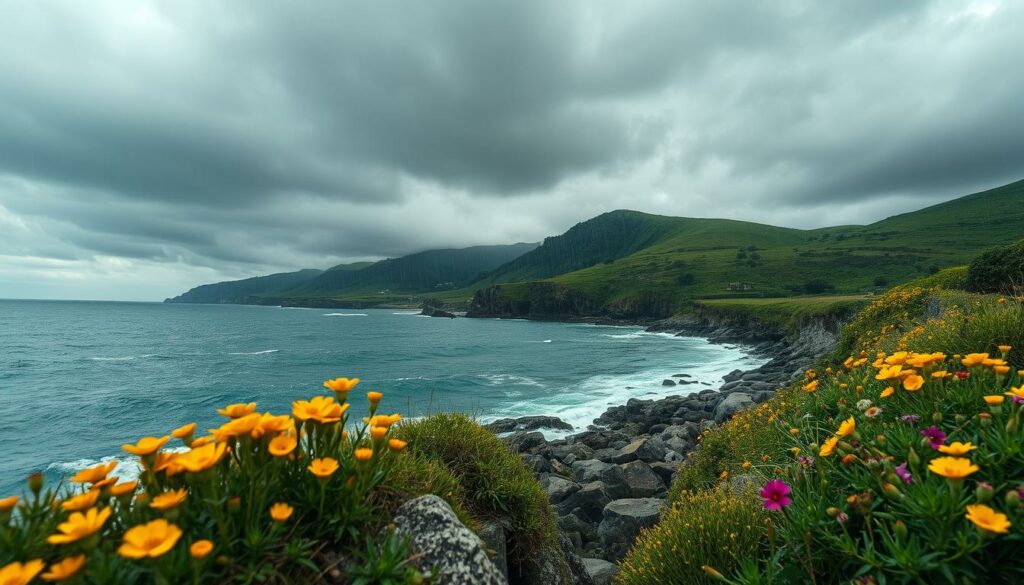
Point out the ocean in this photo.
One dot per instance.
(79, 379)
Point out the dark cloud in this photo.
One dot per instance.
(187, 140)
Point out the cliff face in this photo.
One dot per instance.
(551, 301)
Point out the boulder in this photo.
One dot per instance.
(493, 535)
(667, 382)
(536, 462)
(622, 520)
(665, 470)
(587, 503)
(558, 488)
(609, 474)
(644, 449)
(641, 480)
(578, 572)
(442, 542)
(522, 441)
(528, 423)
(601, 571)
(730, 404)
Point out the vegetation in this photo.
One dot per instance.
(784, 313)
(1000, 270)
(247, 290)
(304, 497)
(897, 461)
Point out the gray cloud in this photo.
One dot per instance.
(189, 141)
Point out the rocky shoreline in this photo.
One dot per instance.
(610, 481)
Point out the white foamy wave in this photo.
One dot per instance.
(300, 308)
(344, 314)
(639, 335)
(538, 341)
(406, 313)
(127, 468)
(126, 358)
(254, 352)
(498, 379)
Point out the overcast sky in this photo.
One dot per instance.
(147, 147)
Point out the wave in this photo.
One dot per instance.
(345, 315)
(254, 352)
(126, 358)
(498, 379)
(127, 468)
(640, 335)
(407, 313)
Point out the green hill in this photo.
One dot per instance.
(663, 263)
(243, 291)
(350, 267)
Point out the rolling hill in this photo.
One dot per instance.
(244, 291)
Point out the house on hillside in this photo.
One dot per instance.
(740, 286)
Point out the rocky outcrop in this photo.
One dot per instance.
(601, 571)
(528, 423)
(622, 521)
(442, 542)
(435, 308)
(552, 301)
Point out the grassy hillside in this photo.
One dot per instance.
(706, 258)
(350, 267)
(241, 291)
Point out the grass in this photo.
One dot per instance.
(786, 313)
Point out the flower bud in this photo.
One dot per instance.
(900, 530)
(35, 482)
(1013, 498)
(832, 511)
(710, 572)
(985, 419)
(912, 457)
(892, 491)
(936, 417)
(984, 492)
(960, 419)
(1011, 425)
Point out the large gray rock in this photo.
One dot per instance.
(443, 542)
(587, 503)
(558, 488)
(731, 403)
(528, 423)
(521, 441)
(493, 535)
(622, 521)
(644, 449)
(601, 571)
(579, 575)
(641, 480)
(609, 474)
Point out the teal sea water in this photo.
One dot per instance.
(79, 379)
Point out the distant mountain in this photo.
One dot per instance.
(242, 291)
(433, 270)
(350, 267)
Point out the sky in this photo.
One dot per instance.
(150, 146)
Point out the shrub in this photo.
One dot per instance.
(262, 498)
(999, 270)
(970, 323)
(720, 528)
(497, 484)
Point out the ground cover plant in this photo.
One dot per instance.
(263, 498)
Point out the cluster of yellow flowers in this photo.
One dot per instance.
(314, 433)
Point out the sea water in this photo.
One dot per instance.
(79, 379)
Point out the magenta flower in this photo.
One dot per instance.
(910, 418)
(776, 495)
(904, 474)
(935, 436)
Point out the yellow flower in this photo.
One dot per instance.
(952, 467)
(396, 445)
(20, 574)
(382, 420)
(151, 540)
(185, 431)
(203, 441)
(887, 392)
(746, 464)
(957, 448)
(1005, 348)
(847, 428)
(104, 483)
(236, 427)
(79, 526)
(829, 447)
(322, 409)
(994, 399)
(940, 374)
(913, 382)
(237, 410)
(323, 467)
(8, 503)
(378, 433)
(123, 489)
(374, 398)
(200, 548)
(281, 512)
(168, 500)
(988, 519)
(64, 570)
(270, 425)
(341, 384)
(82, 501)
(794, 431)
(888, 372)
(94, 474)
(1016, 392)
(974, 359)
(1001, 370)
(364, 454)
(146, 446)
(811, 386)
(282, 445)
(202, 458)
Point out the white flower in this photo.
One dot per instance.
(863, 405)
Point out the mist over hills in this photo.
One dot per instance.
(631, 264)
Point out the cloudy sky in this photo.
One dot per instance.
(150, 146)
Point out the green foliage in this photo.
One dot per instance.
(719, 527)
(387, 563)
(785, 314)
(968, 323)
(999, 270)
(495, 481)
(953, 278)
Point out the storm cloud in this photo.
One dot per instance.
(149, 146)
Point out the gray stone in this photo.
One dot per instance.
(577, 569)
(730, 404)
(536, 462)
(443, 542)
(587, 503)
(643, 448)
(601, 571)
(521, 442)
(668, 382)
(666, 469)
(528, 423)
(622, 520)
(493, 535)
(641, 480)
(558, 488)
(609, 474)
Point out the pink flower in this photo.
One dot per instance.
(776, 495)
(935, 436)
(904, 474)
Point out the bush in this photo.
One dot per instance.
(720, 528)
(496, 482)
(262, 498)
(970, 323)
(999, 270)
